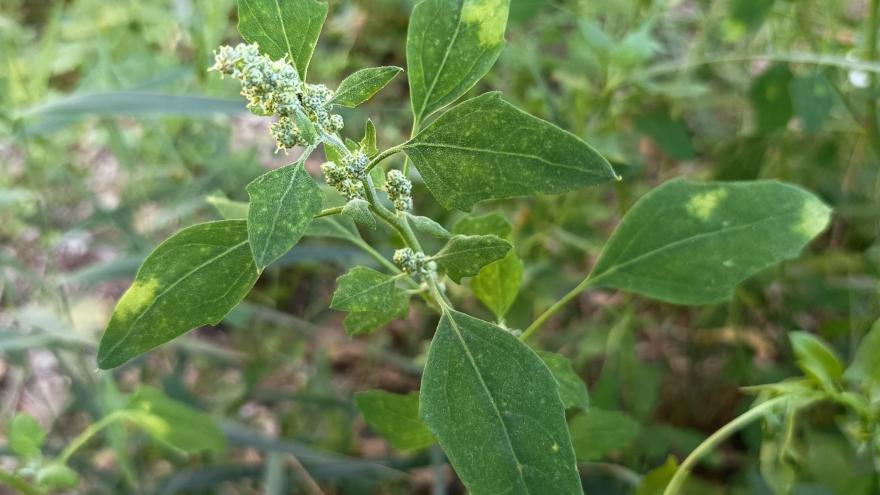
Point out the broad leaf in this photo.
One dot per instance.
(816, 359)
(465, 255)
(693, 242)
(25, 436)
(362, 322)
(485, 148)
(359, 210)
(497, 284)
(572, 390)
(490, 223)
(362, 85)
(866, 365)
(283, 28)
(396, 417)
(425, 225)
(283, 204)
(173, 423)
(493, 406)
(450, 45)
(365, 289)
(227, 208)
(595, 433)
(334, 227)
(192, 279)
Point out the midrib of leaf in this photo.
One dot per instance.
(263, 28)
(168, 289)
(421, 114)
(368, 289)
(458, 252)
(278, 209)
(498, 152)
(680, 242)
(284, 31)
(473, 363)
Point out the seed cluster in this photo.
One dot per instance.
(273, 87)
(399, 190)
(414, 263)
(348, 177)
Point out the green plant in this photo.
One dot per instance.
(495, 406)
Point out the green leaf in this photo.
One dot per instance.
(359, 210)
(450, 45)
(26, 436)
(493, 406)
(771, 98)
(572, 390)
(693, 242)
(465, 255)
(362, 85)
(283, 28)
(56, 476)
(497, 284)
(813, 98)
(173, 423)
(866, 365)
(306, 128)
(363, 322)
(283, 204)
(485, 148)
(334, 227)
(368, 142)
(227, 208)
(654, 483)
(425, 225)
(365, 289)
(192, 279)
(396, 417)
(596, 433)
(670, 134)
(816, 359)
(490, 223)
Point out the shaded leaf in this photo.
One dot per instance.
(365, 289)
(816, 359)
(173, 423)
(362, 322)
(359, 210)
(866, 365)
(595, 433)
(771, 99)
(56, 476)
(813, 98)
(572, 390)
(465, 255)
(425, 225)
(654, 483)
(25, 436)
(396, 417)
(368, 142)
(490, 223)
(227, 208)
(498, 283)
(362, 85)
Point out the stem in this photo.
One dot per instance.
(716, 439)
(326, 212)
(304, 476)
(383, 155)
(88, 433)
(540, 320)
(19, 484)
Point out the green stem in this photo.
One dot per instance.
(88, 433)
(326, 212)
(383, 155)
(540, 320)
(716, 439)
(19, 484)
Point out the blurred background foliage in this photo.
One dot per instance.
(113, 136)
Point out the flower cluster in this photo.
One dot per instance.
(414, 263)
(348, 176)
(399, 190)
(273, 87)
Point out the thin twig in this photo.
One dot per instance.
(304, 475)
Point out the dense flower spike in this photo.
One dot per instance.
(356, 164)
(399, 190)
(414, 263)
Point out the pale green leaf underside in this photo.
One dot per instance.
(228, 209)
(572, 390)
(465, 255)
(450, 45)
(362, 85)
(493, 406)
(359, 210)
(425, 225)
(175, 424)
(396, 417)
(485, 148)
(693, 242)
(283, 203)
(365, 289)
(498, 283)
(192, 279)
(283, 28)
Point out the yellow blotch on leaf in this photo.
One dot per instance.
(490, 17)
(703, 205)
(138, 297)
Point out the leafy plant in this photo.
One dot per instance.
(497, 408)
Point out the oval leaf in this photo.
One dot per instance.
(494, 407)
(283, 28)
(396, 417)
(283, 204)
(365, 289)
(450, 45)
(572, 390)
(485, 148)
(362, 85)
(465, 255)
(693, 242)
(816, 359)
(192, 279)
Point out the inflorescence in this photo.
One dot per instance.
(414, 263)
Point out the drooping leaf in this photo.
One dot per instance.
(572, 390)
(368, 142)
(25, 436)
(693, 242)
(362, 85)
(450, 45)
(227, 208)
(365, 289)
(866, 365)
(428, 226)
(596, 432)
(192, 279)
(173, 423)
(396, 417)
(363, 322)
(498, 283)
(283, 28)
(283, 204)
(465, 255)
(816, 359)
(485, 148)
(359, 210)
(490, 223)
(493, 406)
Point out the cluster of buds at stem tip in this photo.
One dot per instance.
(399, 190)
(273, 87)
(414, 263)
(348, 176)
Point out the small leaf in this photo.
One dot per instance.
(813, 98)
(497, 284)
(365, 289)
(192, 279)
(654, 483)
(771, 98)
(306, 127)
(334, 227)
(283, 28)
(173, 423)
(572, 390)
(866, 365)
(465, 255)
(450, 45)
(368, 142)
(494, 408)
(596, 433)
(283, 204)
(359, 210)
(485, 148)
(816, 359)
(56, 476)
(694, 242)
(227, 208)
(425, 225)
(26, 436)
(396, 417)
(362, 85)
(490, 223)
(363, 322)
